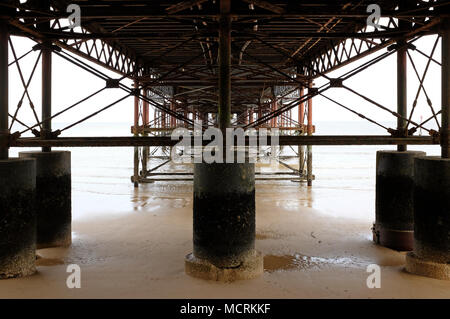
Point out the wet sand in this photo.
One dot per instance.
(131, 244)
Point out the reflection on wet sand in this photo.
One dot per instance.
(41, 261)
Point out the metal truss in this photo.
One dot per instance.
(170, 51)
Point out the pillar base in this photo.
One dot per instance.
(17, 218)
(431, 255)
(422, 267)
(401, 240)
(53, 198)
(251, 267)
(224, 212)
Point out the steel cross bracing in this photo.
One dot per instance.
(173, 44)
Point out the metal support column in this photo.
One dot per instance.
(224, 65)
(46, 83)
(4, 130)
(136, 125)
(145, 121)
(402, 75)
(301, 116)
(46, 92)
(445, 131)
(402, 96)
(310, 131)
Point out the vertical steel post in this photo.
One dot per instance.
(224, 111)
(260, 111)
(301, 107)
(4, 129)
(402, 96)
(145, 108)
(136, 107)
(46, 111)
(310, 131)
(172, 118)
(273, 121)
(46, 91)
(301, 117)
(145, 121)
(402, 75)
(135, 133)
(445, 130)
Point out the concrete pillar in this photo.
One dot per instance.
(224, 223)
(394, 224)
(17, 217)
(431, 255)
(53, 197)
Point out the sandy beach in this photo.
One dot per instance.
(131, 243)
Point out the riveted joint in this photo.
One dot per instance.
(336, 83)
(436, 136)
(412, 130)
(112, 83)
(46, 45)
(8, 140)
(135, 92)
(48, 135)
(400, 132)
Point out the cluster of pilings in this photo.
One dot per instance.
(413, 190)
(35, 188)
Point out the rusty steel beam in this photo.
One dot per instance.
(166, 141)
(297, 9)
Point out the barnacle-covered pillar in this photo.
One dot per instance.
(224, 196)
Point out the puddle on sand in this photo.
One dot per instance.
(41, 261)
(274, 263)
